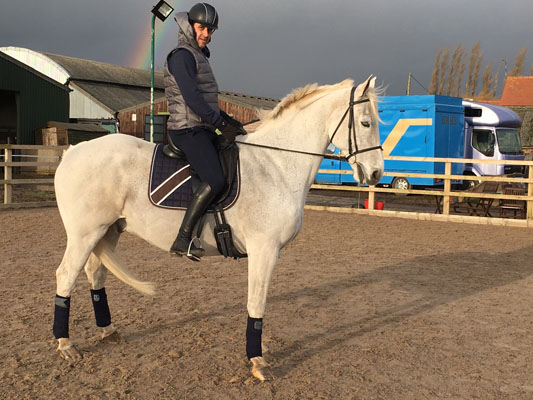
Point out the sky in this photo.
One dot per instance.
(268, 48)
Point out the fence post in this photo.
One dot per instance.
(447, 188)
(8, 189)
(371, 199)
(529, 204)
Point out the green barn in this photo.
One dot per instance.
(28, 100)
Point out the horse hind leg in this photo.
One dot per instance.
(97, 274)
(79, 247)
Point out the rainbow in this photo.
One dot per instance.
(166, 34)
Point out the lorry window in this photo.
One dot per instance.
(508, 141)
(483, 141)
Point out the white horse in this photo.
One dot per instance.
(104, 180)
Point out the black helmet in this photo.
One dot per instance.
(204, 14)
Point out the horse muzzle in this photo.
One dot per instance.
(367, 176)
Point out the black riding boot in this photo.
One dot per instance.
(183, 245)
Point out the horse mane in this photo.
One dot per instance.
(299, 96)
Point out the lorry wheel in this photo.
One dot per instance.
(467, 185)
(401, 183)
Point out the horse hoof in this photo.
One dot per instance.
(70, 353)
(258, 365)
(113, 338)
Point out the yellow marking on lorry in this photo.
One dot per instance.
(399, 130)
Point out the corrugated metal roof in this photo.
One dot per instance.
(115, 87)
(118, 97)
(96, 71)
(248, 101)
(120, 88)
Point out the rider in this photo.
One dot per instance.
(192, 94)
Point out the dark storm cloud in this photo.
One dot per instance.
(267, 48)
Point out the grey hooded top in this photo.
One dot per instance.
(181, 115)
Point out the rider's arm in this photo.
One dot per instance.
(182, 66)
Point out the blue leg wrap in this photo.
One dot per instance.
(101, 309)
(254, 329)
(61, 314)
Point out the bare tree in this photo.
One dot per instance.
(435, 75)
(492, 94)
(454, 69)
(475, 78)
(486, 83)
(471, 67)
(519, 63)
(443, 65)
(457, 92)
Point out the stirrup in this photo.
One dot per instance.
(191, 256)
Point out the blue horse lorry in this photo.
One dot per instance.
(437, 126)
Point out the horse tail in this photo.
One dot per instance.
(109, 258)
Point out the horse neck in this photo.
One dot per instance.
(304, 130)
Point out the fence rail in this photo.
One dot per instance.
(8, 163)
(447, 193)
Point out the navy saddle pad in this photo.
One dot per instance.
(170, 183)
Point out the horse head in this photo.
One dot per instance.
(357, 135)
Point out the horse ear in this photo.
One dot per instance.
(363, 87)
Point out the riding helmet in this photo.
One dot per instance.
(204, 14)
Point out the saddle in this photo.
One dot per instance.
(229, 159)
(228, 154)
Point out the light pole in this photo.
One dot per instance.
(504, 72)
(504, 68)
(161, 10)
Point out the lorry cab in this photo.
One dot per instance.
(433, 126)
(491, 133)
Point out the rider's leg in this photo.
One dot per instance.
(183, 244)
(199, 147)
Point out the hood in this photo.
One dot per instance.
(185, 33)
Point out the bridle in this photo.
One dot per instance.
(351, 133)
(351, 129)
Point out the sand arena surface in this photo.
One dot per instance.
(360, 307)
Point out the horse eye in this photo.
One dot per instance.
(366, 124)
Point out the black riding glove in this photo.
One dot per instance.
(230, 127)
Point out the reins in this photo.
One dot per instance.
(351, 129)
(283, 149)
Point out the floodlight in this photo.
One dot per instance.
(162, 10)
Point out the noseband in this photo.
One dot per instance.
(351, 129)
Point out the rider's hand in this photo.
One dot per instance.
(230, 127)
(230, 120)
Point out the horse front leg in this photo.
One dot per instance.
(261, 261)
